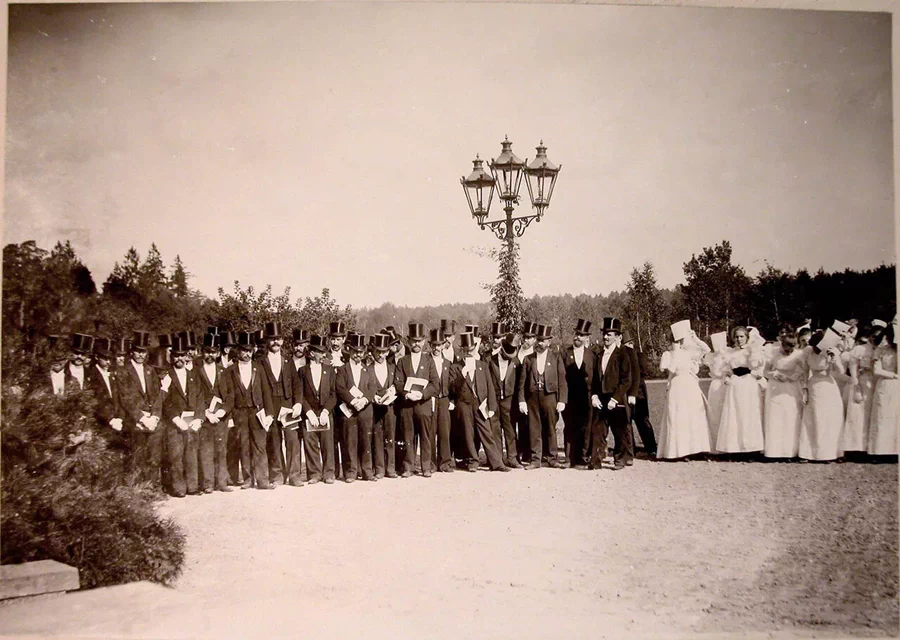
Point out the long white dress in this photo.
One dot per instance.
(715, 396)
(823, 415)
(885, 424)
(684, 430)
(740, 428)
(841, 375)
(784, 404)
(858, 414)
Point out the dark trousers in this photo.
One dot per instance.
(341, 461)
(358, 444)
(641, 416)
(443, 456)
(473, 422)
(577, 419)
(293, 469)
(237, 472)
(523, 425)
(542, 419)
(146, 454)
(508, 416)
(275, 452)
(319, 447)
(384, 425)
(617, 420)
(213, 466)
(253, 445)
(182, 451)
(417, 418)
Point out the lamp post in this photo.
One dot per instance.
(507, 171)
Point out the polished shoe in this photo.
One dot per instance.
(350, 480)
(379, 476)
(226, 489)
(247, 485)
(208, 490)
(406, 474)
(392, 474)
(581, 467)
(372, 479)
(472, 468)
(426, 474)
(533, 465)
(315, 480)
(177, 495)
(329, 480)
(618, 466)
(266, 487)
(553, 464)
(503, 469)
(630, 463)
(295, 483)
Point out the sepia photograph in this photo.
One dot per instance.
(594, 305)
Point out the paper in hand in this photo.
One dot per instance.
(483, 408)
(345, 410)
(187, 415)
(355, 392)
(415, 384)
(261, 416)
(216, 400)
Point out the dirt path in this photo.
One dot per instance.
(658, 548)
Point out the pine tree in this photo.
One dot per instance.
(179, 278)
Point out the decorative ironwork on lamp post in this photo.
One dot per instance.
(507, 171)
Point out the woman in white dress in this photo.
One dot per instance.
(823, 411)
(684, 430)
(786, 377)
(740, 429)
(842, 373)
(859, 393)
(717, 361)
(883, 428)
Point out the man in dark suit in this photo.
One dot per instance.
(637, 394)
(284, 388)
(443, 456)
(319, 401)
(213, 380)
(505, 370)
(472, 391)
(182, 413)
(139, 391)
(250, 397)
(355, 386)
(384, 423)
(542, 394)
(101, 381)
(612, 380)
(416, 414)
(579, 361)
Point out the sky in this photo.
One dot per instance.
(319, 145)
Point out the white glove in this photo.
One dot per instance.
(195, 424)
(452, 406)
(491, 414)
(230, 423)
(323, 417)
(268, 422)
(165, 383)
(612, 404)
(632, 400)
(313, 418)
(212, 418)
(116, 424)
(414, 396)
(179, 422)
(295, 410)
(220, 413)
(560, 406)
(523, 408)
(595, 401)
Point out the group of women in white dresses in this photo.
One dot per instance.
(809, 395)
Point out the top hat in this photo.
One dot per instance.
(140, 340)
(394, 336)
(627, 337)
(544, 332)
(416, 331)
(356, 342)
(300, 336)
(498, 329)
(436, 336)
(82, 344)
(211, 341)
(466, 340)
(54, 339)
(381, 342)
(156, 358)
(681, 329)
(228, 339)
(164, 340)
(337, 329)
(612, 324)
(317, 343)
(188, 338)
(582, 327)
(529, 328)
(180, 345)
(273, 329)
(258, 337)
(212, 330)
(508, 346)
(103, 347)
(473, 329)
(245, 340)
(120, 346)
(448, 327)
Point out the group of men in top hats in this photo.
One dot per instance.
(239, 408)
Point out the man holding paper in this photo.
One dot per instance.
(609, 391)
(182, 411)
(472, 391)
(252, 413)
(319, 400)
(543, 393)
(416, 380)
(443, 454)
(384, 423)
(355, 387)
(217, 402)
(506, 369)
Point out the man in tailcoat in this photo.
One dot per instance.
(542, 394)
(319, 401)
(355, 386)
(579, 361)
(182, 414)
(213, 378)
(637, 394)
(443, 455)
(284, 388)
(612, 380)
(505, 371)
(416, 414)
(250, 397)
(384, 420)
(101, 381)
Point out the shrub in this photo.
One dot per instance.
(66, 497)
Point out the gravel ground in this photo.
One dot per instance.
(659, 548)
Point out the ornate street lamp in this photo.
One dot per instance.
(507, 171)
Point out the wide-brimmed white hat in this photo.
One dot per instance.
(681, 329)
(719, 340)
